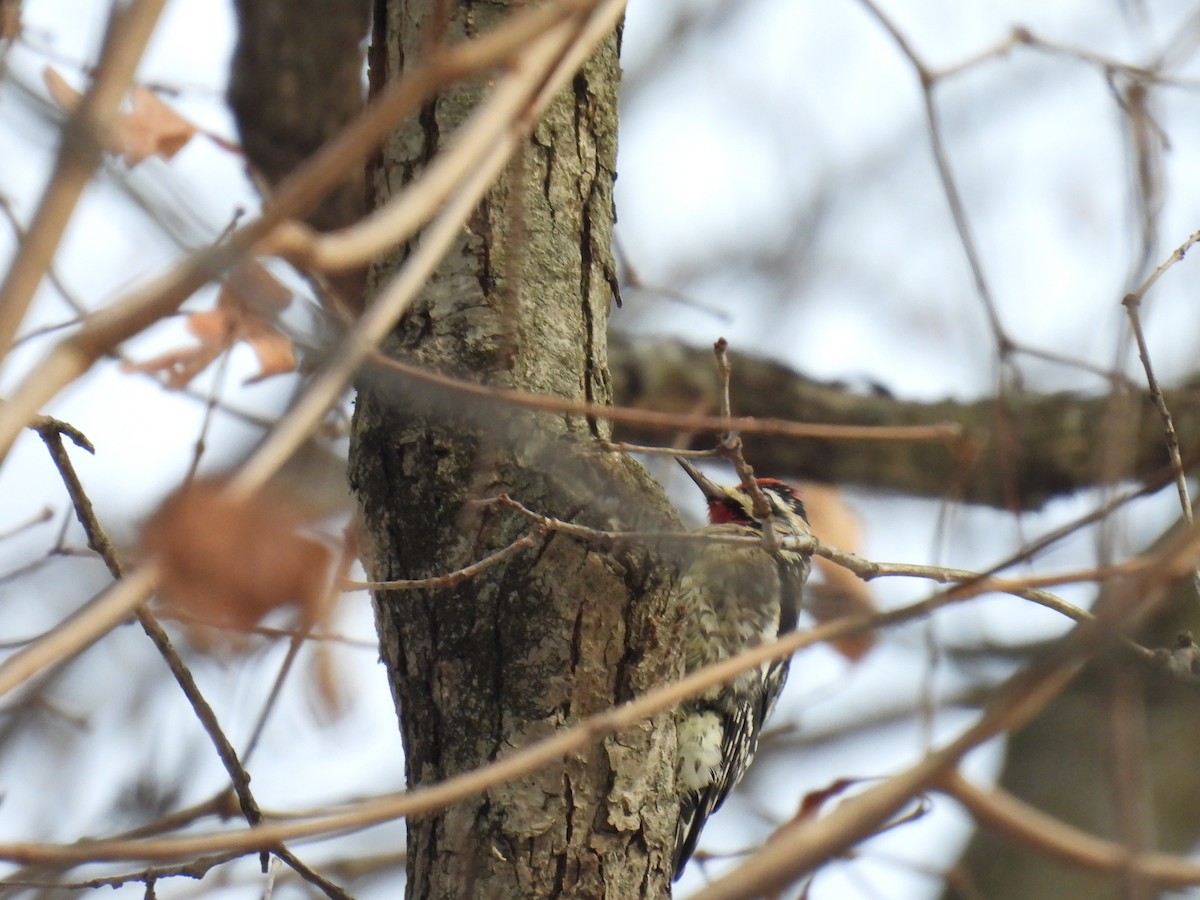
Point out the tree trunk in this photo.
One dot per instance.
(481, 669)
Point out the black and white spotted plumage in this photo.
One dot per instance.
(732, 596)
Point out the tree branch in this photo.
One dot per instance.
(1049, 449)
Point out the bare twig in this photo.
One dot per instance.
(51, 273)
(450, 579)
(324, 885)
(731, 445)
(665, 421)
(541, 753)
(1132, 303)
(1018, 821)
(274, 633)
(634, 280)
(45, 515)
(108, 327)
(347, 555)
(1020, 699)
(296, 195)
(196, 868)
(966, 583)
(928, 80)
(623, 447)
(51, 432)
(129, 29)
(567, 48)
(802, 847)
(423, 800)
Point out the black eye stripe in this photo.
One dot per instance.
(737, 511)
(784, 498)
(781, 496)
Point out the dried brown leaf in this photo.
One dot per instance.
(225, 564)
(843, 593)
(179, 366)
(60, 92)
(247, 306)
(149, 128)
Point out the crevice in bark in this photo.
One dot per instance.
(430, 131)
(585, 257)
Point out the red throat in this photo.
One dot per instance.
(721, 512)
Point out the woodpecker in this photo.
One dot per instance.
(731, 597)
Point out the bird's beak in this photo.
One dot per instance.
(710, 489)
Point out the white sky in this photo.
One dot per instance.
(785, 110)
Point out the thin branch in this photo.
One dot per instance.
(1018, 700)
(51, 273)
(145, 305)
(347, 555)
(222, 805)
(96, 618)
(1106, 63)
(966, 583)
(327, 887)
(51, 432)
(75, 355)
(45, 515)
(1132, 303)
(804, 846)
(731, 444)
(1018, 821)
(622, 447)
(196, 868)
(666, 421)
(633, 279)
(274, 633)
(129, 30)
(527, 759)
(958, 212)
(450, 579)
(376, 322)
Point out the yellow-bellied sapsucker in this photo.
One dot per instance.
(731, 597)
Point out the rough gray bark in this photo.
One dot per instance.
(485, 668)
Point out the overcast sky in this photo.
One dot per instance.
(775, 167)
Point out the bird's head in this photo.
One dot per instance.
(732, 504)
